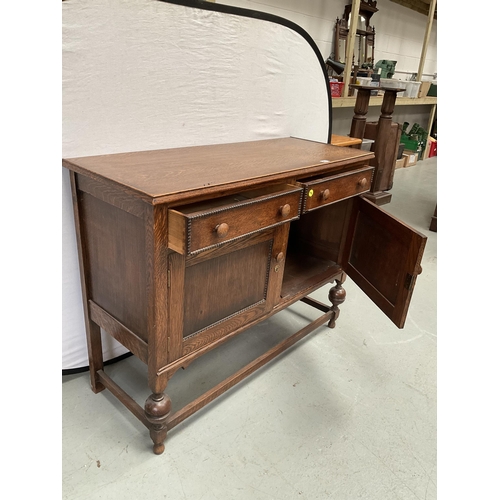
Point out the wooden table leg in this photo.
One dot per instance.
(336, 296)
(157, 410)
(93, 331)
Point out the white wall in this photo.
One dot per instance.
(400, 34)
(399, 31)
(142, 74)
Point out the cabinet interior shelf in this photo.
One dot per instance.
(303, 271)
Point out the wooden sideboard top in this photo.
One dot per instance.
(160, 174)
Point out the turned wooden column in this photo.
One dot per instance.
(386, 145)
(358, 122)
(336, 296)
(157, 410)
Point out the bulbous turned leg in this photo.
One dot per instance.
(157, 409)
(336, 296)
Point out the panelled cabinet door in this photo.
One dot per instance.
(221, 289)
(382, 256)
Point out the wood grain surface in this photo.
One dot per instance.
(159, 173)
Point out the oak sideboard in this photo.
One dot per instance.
(182, 249)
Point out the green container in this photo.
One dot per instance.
(386, 68)
(409, 143)
(433, 90)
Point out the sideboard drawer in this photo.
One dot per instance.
(321, 191)
(200, 226)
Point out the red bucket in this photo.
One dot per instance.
(336, 89)
(433, 149)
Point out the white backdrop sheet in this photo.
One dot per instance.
(144, 74)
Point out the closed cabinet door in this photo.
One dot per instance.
(220, 290)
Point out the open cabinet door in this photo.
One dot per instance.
(382, 256)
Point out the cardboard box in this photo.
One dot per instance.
(424, 88)
(401, 163)
(412, 157)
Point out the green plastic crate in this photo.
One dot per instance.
(409, 143)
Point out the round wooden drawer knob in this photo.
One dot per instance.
(325, 194)
(362, 183)
(221, 230)
(285, 210)
(280, 257)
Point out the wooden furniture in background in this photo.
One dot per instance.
(385, 133)
(344, 140)
(429, 102)
(354, 42)
(433, 226)
(182, 249)
(357, 10)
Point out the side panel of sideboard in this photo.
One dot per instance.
(114, 242)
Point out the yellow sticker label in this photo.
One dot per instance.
(311, 192)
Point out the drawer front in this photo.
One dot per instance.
(193, 232)
(319, 192)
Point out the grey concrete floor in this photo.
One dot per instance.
(346, 413)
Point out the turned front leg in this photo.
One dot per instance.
(336, 296)
(157, 410)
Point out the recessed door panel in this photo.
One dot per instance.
(220, 287)
(382, 256)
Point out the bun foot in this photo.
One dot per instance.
(158, 449)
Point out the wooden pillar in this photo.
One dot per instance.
(351, 37)
(430, 18)
(336, 55)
